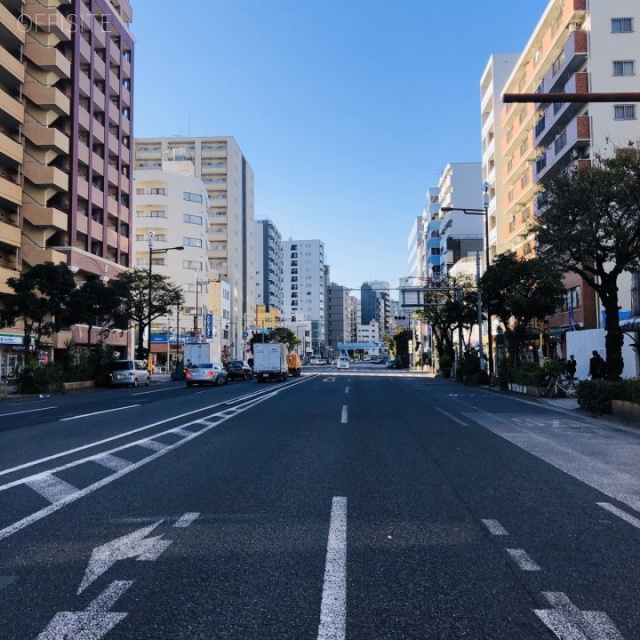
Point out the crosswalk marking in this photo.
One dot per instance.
(112, 462)
(51, 488)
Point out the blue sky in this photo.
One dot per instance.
(346, 111)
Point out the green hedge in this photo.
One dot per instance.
(597, 395)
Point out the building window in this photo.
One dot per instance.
(624, 112)
(621, 25)
(191, 197)
(158, 191)
(624, 68)
(192, 264)
(560, 142)
(191, 242)
(189, 219)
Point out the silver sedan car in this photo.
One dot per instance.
(206, 373)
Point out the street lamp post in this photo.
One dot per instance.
(153, 251)
(482, 212)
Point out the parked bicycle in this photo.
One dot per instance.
(557, 386)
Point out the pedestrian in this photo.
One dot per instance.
(597, 366)
(571, 367)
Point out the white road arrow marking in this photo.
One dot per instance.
(132, 545)
(568, 622)
(91, 624)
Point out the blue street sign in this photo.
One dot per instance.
(245, 334)
(209, 326)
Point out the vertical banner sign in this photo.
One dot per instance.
(209, 326)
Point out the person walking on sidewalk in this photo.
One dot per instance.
(571, 367)
(597, 366)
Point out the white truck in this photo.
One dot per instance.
(198, 353)
(270, 361)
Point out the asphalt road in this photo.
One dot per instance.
(356, 504)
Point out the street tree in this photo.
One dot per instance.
(589, 225)
(132, 289)
(40, 303)
(450, 307)
(96, 304)
(278, 334)
(520, 290)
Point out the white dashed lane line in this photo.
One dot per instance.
(345, 414)
(495, 528)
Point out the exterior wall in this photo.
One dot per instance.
(572, 49)
(338, 319)
(175, 220)
(493, 162)
(268, 258)
(229, 181)
(432, 234)
(305, 284)
(416, 259)
(75, 81)
(368, 332)
(460, 186)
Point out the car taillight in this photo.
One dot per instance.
(210, 373)
(187, 374)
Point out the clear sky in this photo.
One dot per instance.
(347, 110)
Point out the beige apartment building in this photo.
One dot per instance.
(171, 211)
(65, 143)
(229, 182)
(577, 47)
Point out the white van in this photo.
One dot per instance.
(343, 362)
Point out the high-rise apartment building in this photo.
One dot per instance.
(495, 75)
(65, 131)
(305, 285)
(269, 265)
(171, 203)
(338, 316)
(576, 47)
(375, 304)
(221, 165)
(461, 235)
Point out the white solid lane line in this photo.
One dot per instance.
(345, 414)
(97, 413)
(333, 609)
(464, 424)
(522, 559)
(620, 513)
(17, 413)
(495, 528)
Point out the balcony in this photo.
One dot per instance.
(47, 97)
(570, 145)
(9, 22)
(10, 148)
(11, 107)
(45, 175)
(45, 216)
(5, 274)
(10, 191)
(33, 255)
(9, 234)
(49, 19)
(46, 137)
(11, 64)
(572, 58)
(559, 114)
(48, 59)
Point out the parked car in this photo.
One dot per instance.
(128, 373)
(206, 373)
(391, 364)
(238, 370)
